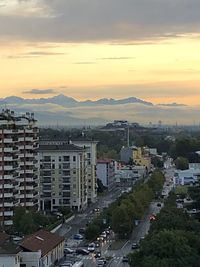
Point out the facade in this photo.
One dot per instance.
(126, 154)
(106, 169)
(91, 158)
(10, 255)
(140, 158)
(18, 163)
(63, 176)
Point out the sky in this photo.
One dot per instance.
(90, 49)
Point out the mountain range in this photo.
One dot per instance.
(66, 111)
(69, 101)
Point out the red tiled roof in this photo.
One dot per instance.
(105, 160)
(41, 240)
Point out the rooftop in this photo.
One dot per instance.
(41, 240)
(60, 147)
(9, 248)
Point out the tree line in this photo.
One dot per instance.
(123, 214)
(173, 240)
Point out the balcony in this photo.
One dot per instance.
(6, 149)
(6, 186)
(6, 213)
(8, 222)
(6, 195)
(8, 167)
(7, 204)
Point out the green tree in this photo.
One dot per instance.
(121, 222)
(181, 163)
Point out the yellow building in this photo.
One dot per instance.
(139, 158)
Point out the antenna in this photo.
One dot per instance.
(128, 140)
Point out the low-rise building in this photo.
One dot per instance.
(127, 175)
(42, 248)
(9, 254)
(186, 177)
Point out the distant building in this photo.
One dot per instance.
(106, 169)
(18, 164)
(186, 177)
(91, 157)
(140, 158)
(127, 175)
(126, 154)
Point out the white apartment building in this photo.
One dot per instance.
(18, 164)
(63, 176)
(91, 155)
(106, 169)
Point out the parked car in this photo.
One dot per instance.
(78, 237)
(68, 250)
(82, 251)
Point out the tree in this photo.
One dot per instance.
(92, 231)
(167, 248)
(121, 222)
(182, 163)
(18, 214)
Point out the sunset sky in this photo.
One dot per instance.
(89, 49)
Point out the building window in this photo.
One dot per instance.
(54, 202)
(66, 158)
(74, 158)
(47, 158)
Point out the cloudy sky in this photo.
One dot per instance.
(101, 48)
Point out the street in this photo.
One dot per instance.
(116, 256)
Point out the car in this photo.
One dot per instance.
(78, 237)
(81, 231)
(100, 238)
(66, 265)
(68, 250)
(125, 259)
(82, 251)
(97, 254)
(96, 209)
(97, 244)
(135, 245)
(101, 262)
(91, 247)
(103, 234)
